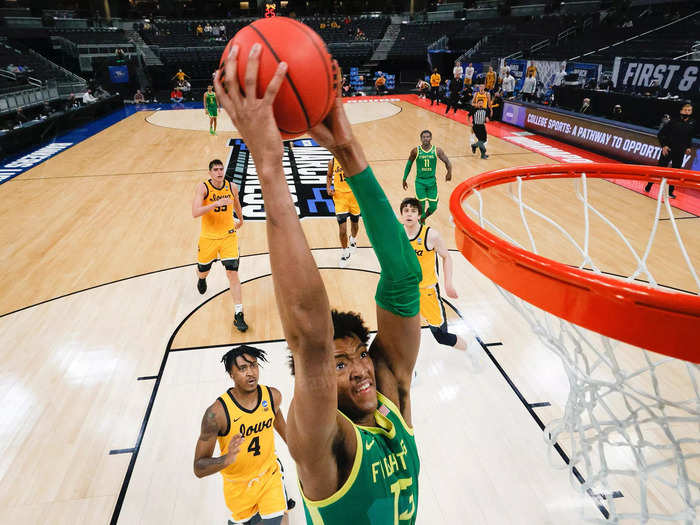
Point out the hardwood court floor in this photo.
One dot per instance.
(111, 216)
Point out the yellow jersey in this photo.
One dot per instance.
(339, 182)
(435, 79)
(481, 96)
(257, 454)
(217, 223)
(426, 257)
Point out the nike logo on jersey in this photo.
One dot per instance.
(369, 445)
(236, 419)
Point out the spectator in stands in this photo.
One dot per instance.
(490, 80)
(46, 111)
(119, 54)
(435, 80)
(531, 69)
(12, 68)
(88, 98)
(508, 85)
(176, 96)
(457, 70)
(360, 34)
(199, 30)
(215, 31)
(497, 105)
(529, 87)
(468, 75)
(559, 77)
(347, 20)
(180, 76)
(380, 84)
(585, 106)
(139, 98)
(222, 30)
(675, 139)
(456, 86)
(207, 29)
(20, 118)
(502, 73)
(348, 90)
(423, 88)
(617, 113)
(71, 103)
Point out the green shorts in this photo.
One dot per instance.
(213, 111)
(426, 192)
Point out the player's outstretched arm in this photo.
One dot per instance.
(445, 159)
(301, 298)
(409, 163)
(395, 348)
(435, 240)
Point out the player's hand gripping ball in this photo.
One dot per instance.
(311, 82)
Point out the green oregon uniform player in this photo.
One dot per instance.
(211, 108)
(426, 156)
(349, 422)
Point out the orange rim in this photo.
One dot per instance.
(663, 321)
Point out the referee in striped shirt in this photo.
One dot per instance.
(479, 116)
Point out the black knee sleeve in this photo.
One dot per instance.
(231, 264)
(354, 218)
(204, 267)
(442, 336)
(342, 217)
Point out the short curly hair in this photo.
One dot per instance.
(345, 324)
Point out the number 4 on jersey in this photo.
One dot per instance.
(254, 446)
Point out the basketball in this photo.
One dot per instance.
(310, 87)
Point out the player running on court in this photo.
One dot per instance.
(346, 207)
(214, 201)
(242, 420)
(349, 423)
(211, 108)
(426, 156)
(428, 244)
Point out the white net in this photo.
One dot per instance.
(631, 424)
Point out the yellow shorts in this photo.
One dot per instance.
(431, 308)
(264, 495)
(225, 249)
(345, 202)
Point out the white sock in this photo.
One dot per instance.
(353, 240)
(239, 308)
(346, 252)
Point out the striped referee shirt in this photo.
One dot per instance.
(479, 116)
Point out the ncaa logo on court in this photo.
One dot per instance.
(305, 166)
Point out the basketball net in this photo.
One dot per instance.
(631, 424)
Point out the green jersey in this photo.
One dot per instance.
(210, 99)
(382, 488)
(426, 165)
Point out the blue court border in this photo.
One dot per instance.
(78, 135)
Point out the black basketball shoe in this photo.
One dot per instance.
(239, 322)
(202, 285)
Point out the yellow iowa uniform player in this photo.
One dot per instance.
(346, 206)
(214, 201)
(428, 245)
(242, 421)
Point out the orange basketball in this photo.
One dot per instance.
(310, 86)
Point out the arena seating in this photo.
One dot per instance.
(36, 66)
(94, 36)
(413, 39)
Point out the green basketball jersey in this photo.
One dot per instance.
(210, 99)
(382, 488)
(426, 164)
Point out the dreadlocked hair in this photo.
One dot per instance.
(345, 324)
(229, 358)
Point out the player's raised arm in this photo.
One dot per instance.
(300, 295)
(444, 158)
(395, 347)
(409, 163)
(435, 240)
